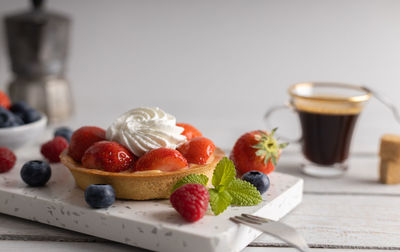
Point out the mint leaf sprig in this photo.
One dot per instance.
(228, 190)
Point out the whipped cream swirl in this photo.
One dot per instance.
(144, 129)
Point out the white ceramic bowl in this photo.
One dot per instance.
(15, 137)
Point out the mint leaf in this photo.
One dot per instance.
(243, 193)
(219, 201)
(227, 190)
(191, 179)
(224, 172)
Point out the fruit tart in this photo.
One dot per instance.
(141, 155)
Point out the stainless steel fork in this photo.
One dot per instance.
(275, 229)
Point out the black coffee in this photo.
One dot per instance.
(326, 137)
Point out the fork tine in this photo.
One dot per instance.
(251, 219)
(256, 218)
(244, 220)
(236, 220)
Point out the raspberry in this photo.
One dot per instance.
(7, 159)
(191, 201)
(51, 150)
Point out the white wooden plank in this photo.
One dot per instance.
(37, 246)
(13, 228)
(361, 178)
(346, 221)
(272, 249)
(40, 246)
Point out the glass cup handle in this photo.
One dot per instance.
(386, 102)
(274, 109)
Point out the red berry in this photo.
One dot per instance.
(190, 131)
(7, 159)
(108, 156)
(4, 100)
(52, 149)
(163, 159)
(198, 150)
(82, 139)
(191, 201)
(256, 150)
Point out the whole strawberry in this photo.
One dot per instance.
(191, 201)
(7, 159)
(256, 150)
(52, 149)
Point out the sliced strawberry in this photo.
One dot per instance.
(108, 156)
(190, 131)
(163, 159)
(82, 139)
(198, 150)
(256, 150)
(4, 100)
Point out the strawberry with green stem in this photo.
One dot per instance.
(256, 150)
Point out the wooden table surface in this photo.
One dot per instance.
(352, 213)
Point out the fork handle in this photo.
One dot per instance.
(301, 247)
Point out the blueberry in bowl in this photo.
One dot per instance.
(20, 124)
(25, 112)
(8, 119)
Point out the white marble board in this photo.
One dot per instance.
(153, 225)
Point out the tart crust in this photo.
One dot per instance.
(138, 185)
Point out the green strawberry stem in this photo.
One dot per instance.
(268, 147)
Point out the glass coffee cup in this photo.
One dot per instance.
(328, 113)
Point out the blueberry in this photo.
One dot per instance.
(25, 112)
(17, 121)
(99, 195)
(19, 107)
(31, 115)
(64, 132)
(36, 173)
(258, 179)
(8, 119)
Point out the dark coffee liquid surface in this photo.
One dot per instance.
(326, 137)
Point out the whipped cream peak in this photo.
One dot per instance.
(144, 129)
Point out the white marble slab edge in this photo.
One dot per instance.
(147, 224)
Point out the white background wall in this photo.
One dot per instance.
(220, 64)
